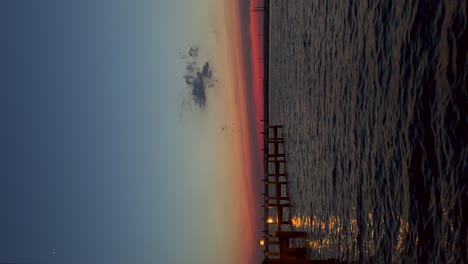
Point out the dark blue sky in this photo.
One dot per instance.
(86, 110)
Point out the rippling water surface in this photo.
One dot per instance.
(373, 99)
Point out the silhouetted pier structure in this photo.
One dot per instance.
(275, 178)
(282, 245)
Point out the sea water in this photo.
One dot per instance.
(374, 102)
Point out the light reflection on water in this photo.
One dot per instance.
(328, 235)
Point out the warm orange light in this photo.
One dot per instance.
(262, 242)
(270, 220)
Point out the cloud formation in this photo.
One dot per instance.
(198, 79)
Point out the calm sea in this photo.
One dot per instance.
(373, 96)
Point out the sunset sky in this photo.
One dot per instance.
(130, 131)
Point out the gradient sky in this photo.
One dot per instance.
(104, 156)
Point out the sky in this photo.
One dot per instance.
(129, 131)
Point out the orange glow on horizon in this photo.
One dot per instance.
(240, 104)
(247, 151)
(257, 62)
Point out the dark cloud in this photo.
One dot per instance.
(193, 52)
(198, 79)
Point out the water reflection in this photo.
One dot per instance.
(332, 234)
